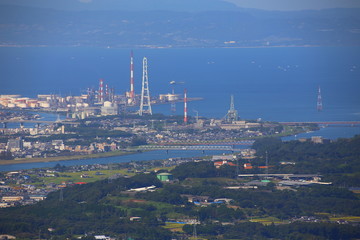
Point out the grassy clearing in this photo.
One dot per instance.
(267, 220)
(335, 218)
(174, 227)
(161, 205)
(322, 214)
(156, 169)
(92, 176)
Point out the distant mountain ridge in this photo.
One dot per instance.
(29, 26)
(127, 5)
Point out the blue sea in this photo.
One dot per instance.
(274, 84)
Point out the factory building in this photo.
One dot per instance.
(169, 97)
(165, 177)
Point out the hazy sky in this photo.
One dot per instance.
(296, 4)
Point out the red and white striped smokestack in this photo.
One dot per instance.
(101, 90)
(185, 106)
(132, 94)
(106, 91)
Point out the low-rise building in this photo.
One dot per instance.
(37, 197)
(12, 198)
(165, 177)
(238, 125)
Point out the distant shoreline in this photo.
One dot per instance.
(168, 47)
(65, 158)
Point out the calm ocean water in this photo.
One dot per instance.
(275, 84)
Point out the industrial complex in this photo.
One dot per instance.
(101, 101)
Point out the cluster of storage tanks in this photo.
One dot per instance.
(42, 101)
(15, 101)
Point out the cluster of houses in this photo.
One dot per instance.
(16, 189)
(25, 149)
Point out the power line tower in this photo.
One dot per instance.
(232, 114)
(195, 232)
(319, 105)
(195, 236)
(145, 93)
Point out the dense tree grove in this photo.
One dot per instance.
(301, 231)
(84, 209)
(194, 169)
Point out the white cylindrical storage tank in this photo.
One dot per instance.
(22, 105)
(107, 104)
(33, 104)
(44, 104)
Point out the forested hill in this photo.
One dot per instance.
(105, 207)
(338, 160)
(26, 26)
(84, 209)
